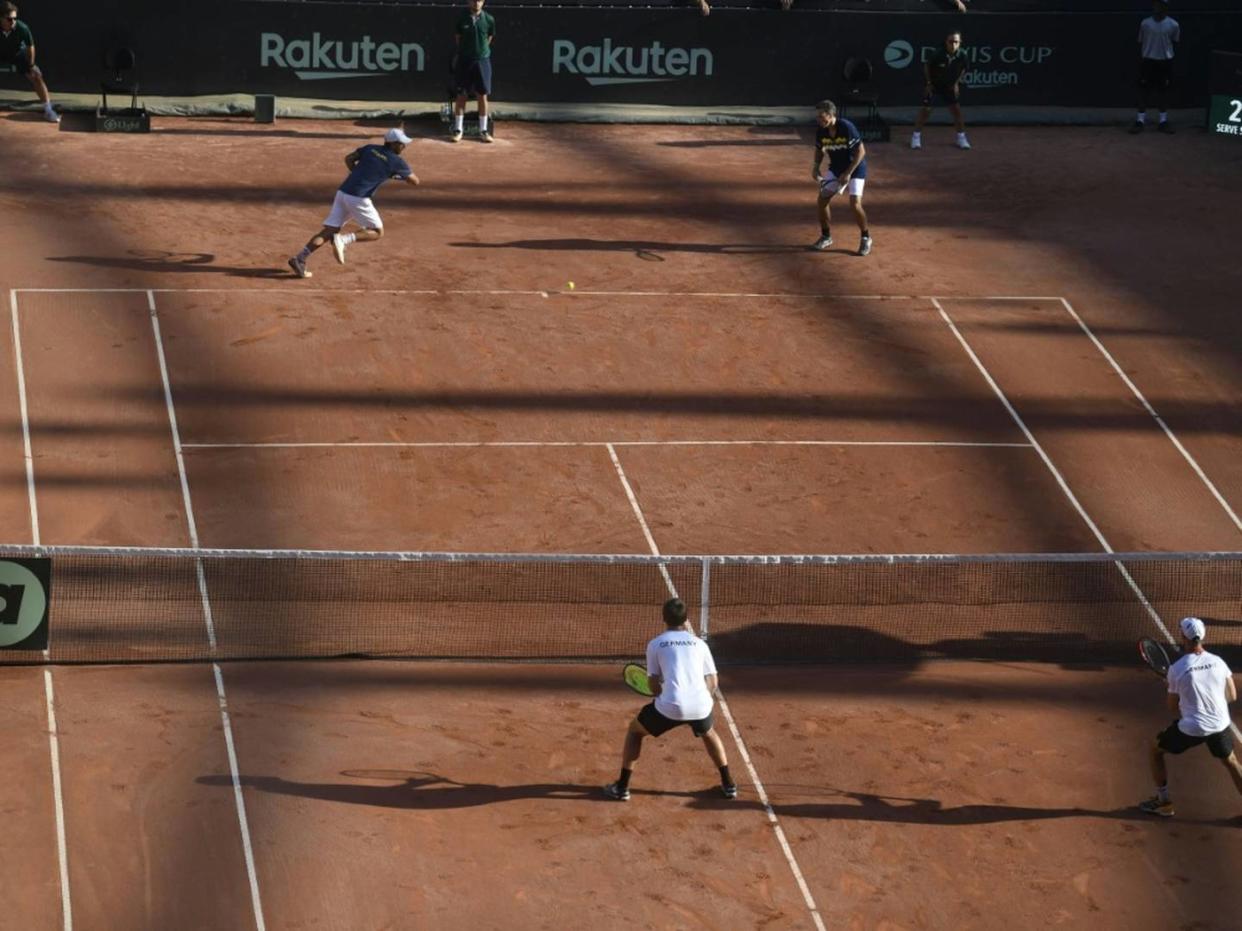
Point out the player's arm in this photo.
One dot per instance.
(819, 160)
(713, 682)
(1231, 690)
(657, 684)
(859, 154)
(1174, 703)
(411, 179)
(351, 160)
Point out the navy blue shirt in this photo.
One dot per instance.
(376, 164)
(840, 145)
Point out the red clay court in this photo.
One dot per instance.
(1041, 356)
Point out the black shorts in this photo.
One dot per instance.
(20, 64)
(658, 724)
(1156, 74)
(473, 77)
(946, 92)
(1174, 740)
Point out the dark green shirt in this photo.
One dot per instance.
(474, 36)
(945, 69)
(13, 46)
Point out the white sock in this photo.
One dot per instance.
(459, 120)
(917, 136)
(961, 135)
(348, 239)
(482, 123)
(1164, 117)
(1142, 117)
(48, 106)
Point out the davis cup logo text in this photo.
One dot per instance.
(900, 54)
(320, 59)
(625, 64)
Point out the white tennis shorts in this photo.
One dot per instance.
(346, 207)
(829, 185)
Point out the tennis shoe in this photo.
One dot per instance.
(916, 142)
(299, 268)
(456, 136)
(963, 142)
(615, 792)
(822, 244)
(728, 790)
(485, 136)
(338, 247)
(51, 115)
(864, 246)
(1153, 806)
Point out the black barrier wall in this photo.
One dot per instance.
(584, 55)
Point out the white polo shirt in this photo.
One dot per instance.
(681, 660)
(1157, 37)
(1198, 681)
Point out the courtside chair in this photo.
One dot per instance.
(119, 77)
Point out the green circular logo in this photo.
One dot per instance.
(23, 603)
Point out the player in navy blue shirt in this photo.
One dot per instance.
(842, 143)
(369, 167)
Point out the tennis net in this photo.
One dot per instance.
(111, 605)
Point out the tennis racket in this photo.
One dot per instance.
(636, 678)
(1155, 656)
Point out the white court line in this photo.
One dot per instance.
(21, 400)
(506, 444)
(1056, 473)
(1159, 420)
(62, 851)
(544, 292)
(192, 527)
(760, 791)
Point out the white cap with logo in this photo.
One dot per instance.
(1193, 628)
(396, 135)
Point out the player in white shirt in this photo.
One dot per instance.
(1200, 690)
(1158, 34)
(683, 678)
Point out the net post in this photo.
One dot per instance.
(704, 596)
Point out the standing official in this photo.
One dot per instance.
(472, 68)
(1158, 34)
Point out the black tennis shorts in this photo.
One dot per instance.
(1174, 740)
(1156, 74)
(473, 77)
(946, 92)
(20, 64)
(658, 724)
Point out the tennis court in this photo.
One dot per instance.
(1013, 371)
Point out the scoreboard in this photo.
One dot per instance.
(1225, 104)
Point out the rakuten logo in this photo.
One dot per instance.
(625, 64)
(318, 59)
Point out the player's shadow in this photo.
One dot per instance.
(160, 262)
(865, 806)
(648, 250)
(418, 790)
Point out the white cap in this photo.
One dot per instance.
(1193, 628)
(396, 135)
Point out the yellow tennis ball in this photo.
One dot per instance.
(571, 286)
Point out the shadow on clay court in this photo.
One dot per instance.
(644, 249)
(863, 806)
(169, 262)
(425, 791)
